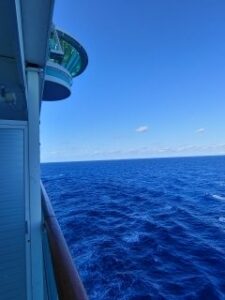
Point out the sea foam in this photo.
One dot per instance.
(218, 197)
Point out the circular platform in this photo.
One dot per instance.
(67, 60)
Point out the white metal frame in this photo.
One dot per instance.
(33, 107)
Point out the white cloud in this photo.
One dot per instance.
(157, 151)
(142, 129)
(200, 130)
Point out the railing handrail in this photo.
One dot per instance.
(68, 282)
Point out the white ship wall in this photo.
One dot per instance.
(13, 238)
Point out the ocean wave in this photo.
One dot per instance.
(132, 238)
(218, 197)
(222, 219)
(137, 236)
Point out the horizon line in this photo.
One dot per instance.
(138, 158)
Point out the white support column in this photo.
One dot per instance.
(33, 107)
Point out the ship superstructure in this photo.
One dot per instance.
(37, 62)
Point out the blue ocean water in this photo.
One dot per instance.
(144, 229)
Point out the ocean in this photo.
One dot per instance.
(143, 229)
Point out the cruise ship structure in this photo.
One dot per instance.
(37, 62)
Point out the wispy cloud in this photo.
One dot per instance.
(157, 151)
(200, 130)
(142, 129)
(67, 152)
(64, 154)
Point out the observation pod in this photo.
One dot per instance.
(67, 59)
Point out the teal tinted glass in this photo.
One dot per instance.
(64, 53)
(54, 42)
(71, 59)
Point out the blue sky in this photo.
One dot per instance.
(154, 86)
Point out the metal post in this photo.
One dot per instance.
(33, 107)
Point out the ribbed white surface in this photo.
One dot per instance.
(12, 216)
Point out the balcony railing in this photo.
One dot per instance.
(65, 276)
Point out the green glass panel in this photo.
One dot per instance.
(71, 59)
(64, 54)
(54, 42)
